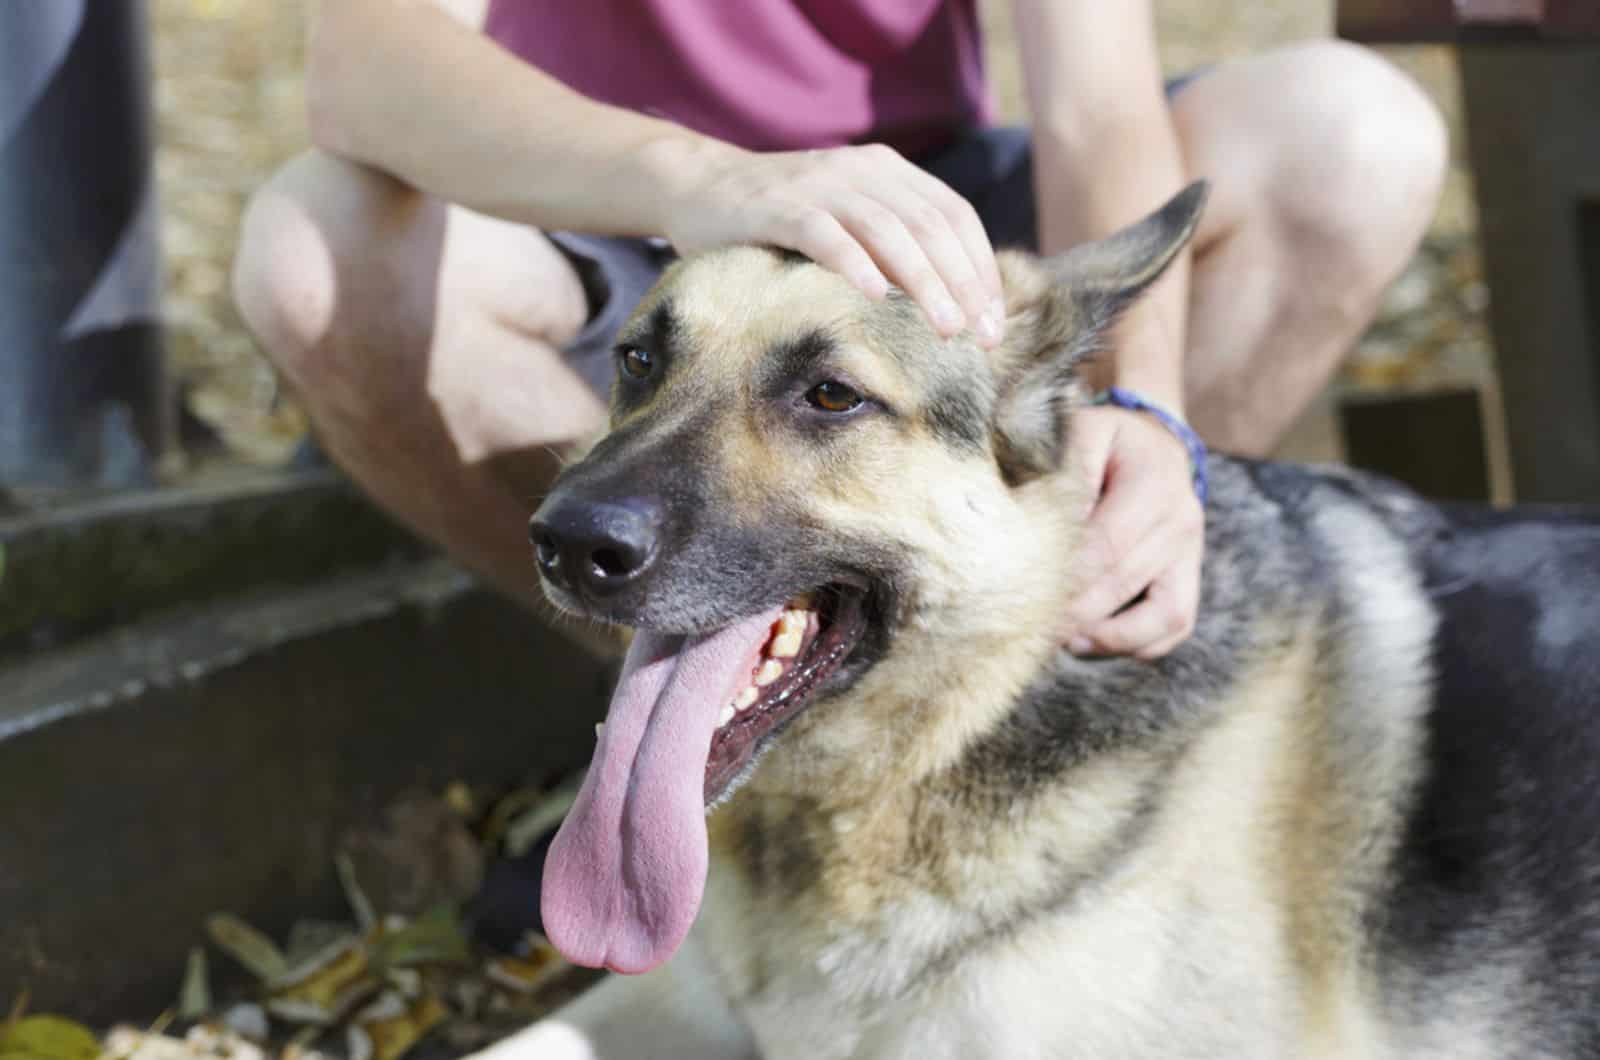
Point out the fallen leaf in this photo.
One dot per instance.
(525, 975)
(310, 938)
(392, 1026)
(45, 1037)
(259, 954)
(526, 828)
(323, 989)
(366, 917)
(436, 937)
(194, 998)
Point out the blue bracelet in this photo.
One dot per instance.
(1127, 399)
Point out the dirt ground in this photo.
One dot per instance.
(229, 104)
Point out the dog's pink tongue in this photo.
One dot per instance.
(624, 877)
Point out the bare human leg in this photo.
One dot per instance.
(425, 342)
(1325, 164)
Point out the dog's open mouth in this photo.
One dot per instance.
(808, 642)
(624, 876)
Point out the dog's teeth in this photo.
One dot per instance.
(599, 727)
(770, 671)
(785, 645)
(726, 715)
(746, 700)
(792, 622)
(800, 603)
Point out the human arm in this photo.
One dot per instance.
(1106, 153)
(406, 88)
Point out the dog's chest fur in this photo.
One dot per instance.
(856, 938)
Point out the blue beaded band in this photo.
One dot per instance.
(1127, 399)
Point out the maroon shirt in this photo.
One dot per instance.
(767, 74)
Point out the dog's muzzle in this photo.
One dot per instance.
(595, 548)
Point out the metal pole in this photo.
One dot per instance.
(83, 399)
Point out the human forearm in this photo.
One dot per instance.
(1106, 154)
(1080, 200)
(405, 88)
(401, 86)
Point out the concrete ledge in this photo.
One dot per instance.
(209, 761)
(75, 570)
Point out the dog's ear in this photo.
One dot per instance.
(1058, 313)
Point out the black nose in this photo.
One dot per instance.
(596, 547)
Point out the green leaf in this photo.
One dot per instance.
(360, 905)
(436, 937)
(194, 999)
(49, 1038)
(246, 945)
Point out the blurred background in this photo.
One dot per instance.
(230, 108)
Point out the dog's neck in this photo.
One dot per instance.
(962, 726)
(978, 678)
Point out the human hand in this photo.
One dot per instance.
(1145, 535)
(864, 212)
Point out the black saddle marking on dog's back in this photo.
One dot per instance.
(1504, 837)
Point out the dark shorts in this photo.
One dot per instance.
(992, 168)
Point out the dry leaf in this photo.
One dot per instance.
(194, 998)
(323, 989)
(392, 1026)
(259, 954)
(436, 937)
(366, 917)
(525, 975)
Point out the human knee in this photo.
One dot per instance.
(323, 248)
(1368, 156)
(284, 276)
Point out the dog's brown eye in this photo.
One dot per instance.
(636, 362)
(833, 397)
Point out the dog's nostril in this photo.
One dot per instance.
(609, 563)
(544, 547)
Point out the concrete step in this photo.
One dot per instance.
(73, 570)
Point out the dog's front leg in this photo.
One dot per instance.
(676, 1012)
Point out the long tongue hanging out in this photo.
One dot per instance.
(624, 877)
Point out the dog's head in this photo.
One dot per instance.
(796, 480)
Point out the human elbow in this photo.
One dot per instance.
(1087, 127)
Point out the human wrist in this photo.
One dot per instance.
(1172, 422)
(674, 167)
(1157, 387)
(1146, 356)
(1159, 383)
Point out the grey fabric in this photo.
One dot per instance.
(34, 40)
(616, 273)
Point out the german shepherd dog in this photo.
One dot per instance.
(1356, 814)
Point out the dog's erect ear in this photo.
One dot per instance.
(1059, 310)
(1116, 270)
